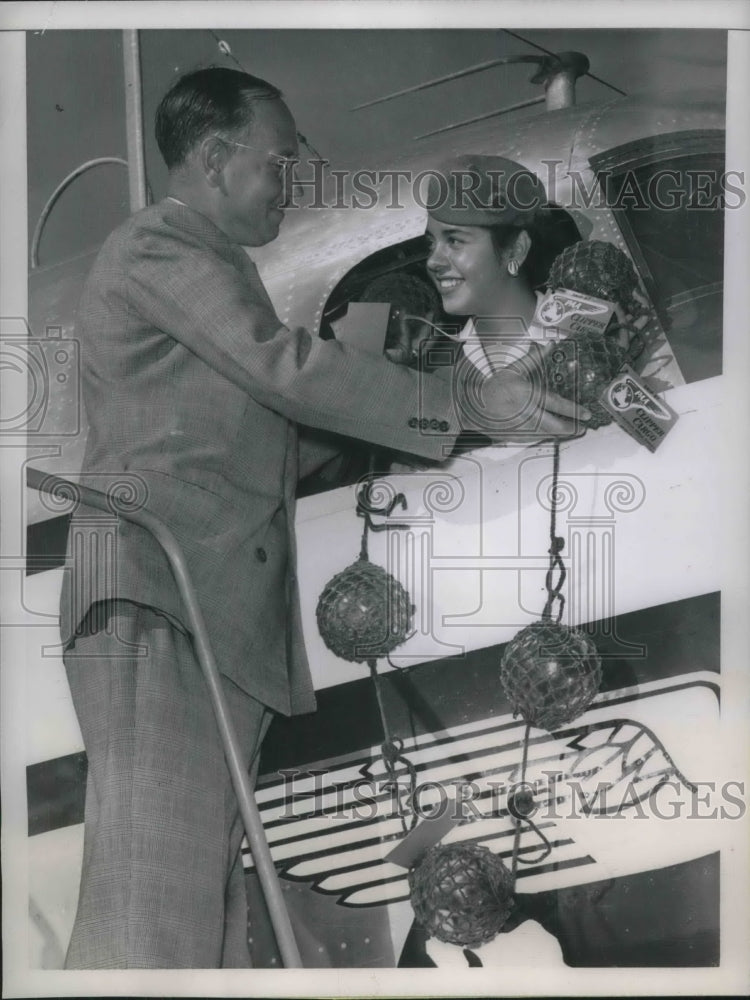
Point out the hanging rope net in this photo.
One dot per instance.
(364, 613)
(461, 893)
(550, 673)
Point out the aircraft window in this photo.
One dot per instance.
(670, 212)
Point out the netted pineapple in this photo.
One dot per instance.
(581, 366)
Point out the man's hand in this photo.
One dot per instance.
(509, 407)
(412, 330)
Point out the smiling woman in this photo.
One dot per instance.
(492, 238)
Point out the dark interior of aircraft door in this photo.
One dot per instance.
(668, 196)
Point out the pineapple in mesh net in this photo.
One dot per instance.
(581, 366)
(596, 268)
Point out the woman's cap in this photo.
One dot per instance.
(476, 190)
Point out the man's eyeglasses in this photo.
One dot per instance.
(283, 164)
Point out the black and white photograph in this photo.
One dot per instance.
(374, 546)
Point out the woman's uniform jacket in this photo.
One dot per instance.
(193, 390)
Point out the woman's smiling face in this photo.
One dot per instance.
(465, 268)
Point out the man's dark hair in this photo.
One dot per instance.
(203, 102)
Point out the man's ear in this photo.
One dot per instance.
(213, 155)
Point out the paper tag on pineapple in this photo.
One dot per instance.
(637, 410)
(573, 312)
(429, 832)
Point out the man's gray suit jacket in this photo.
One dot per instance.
(194, 390)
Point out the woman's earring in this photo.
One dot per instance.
(513, 267)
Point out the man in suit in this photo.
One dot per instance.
(193, 389)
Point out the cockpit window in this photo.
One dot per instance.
(668, 196)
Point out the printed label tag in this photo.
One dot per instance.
(637, 410)
(572, 312)
(426, 834)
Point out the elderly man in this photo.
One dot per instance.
(194, 390)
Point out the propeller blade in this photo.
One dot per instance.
(479, 118)
(478, 68)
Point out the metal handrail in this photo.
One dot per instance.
(49, 204)
(256, 836)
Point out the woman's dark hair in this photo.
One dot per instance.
(209, 100)
(551, 231)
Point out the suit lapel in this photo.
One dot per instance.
(181, 216)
